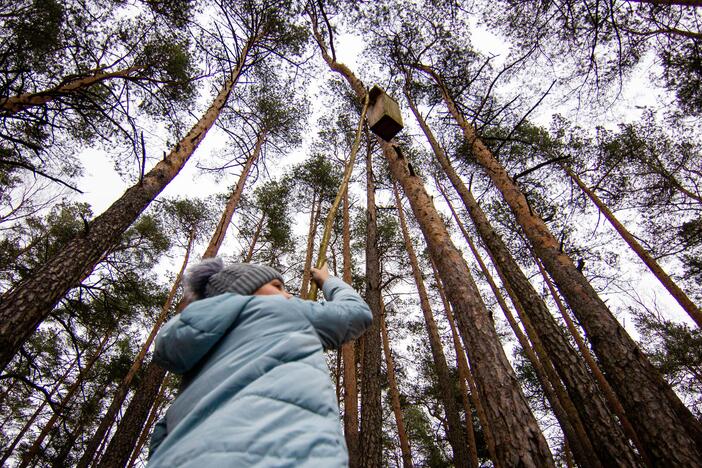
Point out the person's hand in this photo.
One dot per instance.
(320, 275)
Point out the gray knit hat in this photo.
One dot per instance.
(211, 278)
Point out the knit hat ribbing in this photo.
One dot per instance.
(210, 278)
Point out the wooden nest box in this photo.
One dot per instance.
(384, 118)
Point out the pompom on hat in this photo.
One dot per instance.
(211, 278)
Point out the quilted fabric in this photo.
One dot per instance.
(256, 388)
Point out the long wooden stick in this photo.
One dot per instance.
(329, 223)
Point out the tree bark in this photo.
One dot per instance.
(678, 294)
(371, 443)
(446, 389)
(121, 392)
(518, 439)
(466, 378)
(395, 397)
(348, 354)
(665, 425)
(67, 87)
(132, 422)
(27, 304)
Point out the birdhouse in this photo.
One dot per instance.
(384, 118)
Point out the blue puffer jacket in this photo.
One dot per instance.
(256, 388)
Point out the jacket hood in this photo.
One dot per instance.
(189, 336)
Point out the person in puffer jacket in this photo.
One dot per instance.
(256, 389)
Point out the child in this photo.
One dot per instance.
(256, 389)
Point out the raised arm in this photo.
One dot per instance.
(345, 315)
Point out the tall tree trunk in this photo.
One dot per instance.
(121, 392)
(518, 439)
(14, 104)
(607, 390)
(466, 378)
(254, 240)
(446, 387)
(561, 404)
(665, 425)
(36, 445)
(678, 294)
(348, 353)
(395, 396)
(583, 402)
(27, 304)
(371, 411)
(314, 219)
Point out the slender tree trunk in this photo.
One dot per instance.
(465, 377)
(685, 302)
(518, 439)
(395, 396)
(314, 219)
(34, 448)
(371, 410)
(254, 240)
(121, 392)
(348, 353)
(27, 304)
(607, 390)
(561, 404)
(665, 425)
(233, 201)
(67, 87)
(446, 388)
(35, 415)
